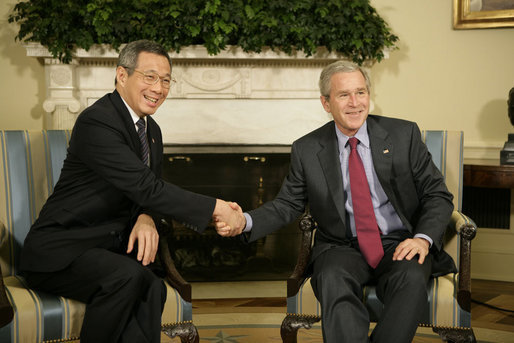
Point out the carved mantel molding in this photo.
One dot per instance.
(252, 96)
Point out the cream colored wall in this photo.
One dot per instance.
(445, 78)
(440, 77)
(22, 79)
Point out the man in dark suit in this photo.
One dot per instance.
(409, 208)
(108, 199)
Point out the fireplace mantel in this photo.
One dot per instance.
(233, 97)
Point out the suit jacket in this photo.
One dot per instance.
(404, 167)
(104, 186)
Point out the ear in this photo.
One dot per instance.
(121, 76)
(325, 103)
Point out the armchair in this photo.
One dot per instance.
(30, 165)
(449, 295)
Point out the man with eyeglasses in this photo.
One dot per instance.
(96, 238)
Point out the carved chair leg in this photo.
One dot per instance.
(186, 331)
(455, 335)
(293, 322)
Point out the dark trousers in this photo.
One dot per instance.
(124, 300)
(339, 275)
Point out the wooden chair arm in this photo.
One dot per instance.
(6, 310)
(467, 230)
(463, 225)
(173, 277)
(307, 226)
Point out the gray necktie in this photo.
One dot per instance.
(144, 140)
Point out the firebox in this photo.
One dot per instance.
(249, 175)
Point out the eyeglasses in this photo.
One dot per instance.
(151, 78)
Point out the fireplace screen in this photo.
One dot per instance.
(250, 176)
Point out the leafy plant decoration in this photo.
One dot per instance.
(350, 27)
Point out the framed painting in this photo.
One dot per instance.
(481, 14)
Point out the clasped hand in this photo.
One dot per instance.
(228, 218)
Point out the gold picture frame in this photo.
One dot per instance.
(472, 14)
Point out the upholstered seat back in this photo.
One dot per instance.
(31, 164)
(446, 148)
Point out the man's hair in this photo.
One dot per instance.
(339, 67)
(130, 53)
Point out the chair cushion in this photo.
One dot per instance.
(41, 317)
(176, 309)
(443, 310)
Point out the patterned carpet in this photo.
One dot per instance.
(237, 328)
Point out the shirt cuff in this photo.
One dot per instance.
(422, 235)
(249, 223)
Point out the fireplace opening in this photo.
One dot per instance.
(248, 175)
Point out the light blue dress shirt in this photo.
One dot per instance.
(387, 218)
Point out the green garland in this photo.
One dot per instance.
(350, 27)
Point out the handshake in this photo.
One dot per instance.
(228, 218)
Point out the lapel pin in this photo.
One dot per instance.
(386, 151)
(153, 141)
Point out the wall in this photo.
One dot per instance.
(440, 77)
(22, 90)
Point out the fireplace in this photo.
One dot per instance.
(249, 175)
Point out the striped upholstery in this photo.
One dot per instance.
(42, 317)
(443, 310)
(31, 164)
(446, 148)
(39, 316)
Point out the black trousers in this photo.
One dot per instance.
(339, 275)
(124, 300)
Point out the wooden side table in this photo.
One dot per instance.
(488, 200)
(488, 174)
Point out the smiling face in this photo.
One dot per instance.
(348, 102)
(144, 99)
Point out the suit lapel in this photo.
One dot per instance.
(329, 160)
(124, 114)
(382, 151)
(154, 142)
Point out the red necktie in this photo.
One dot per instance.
(366, 226)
